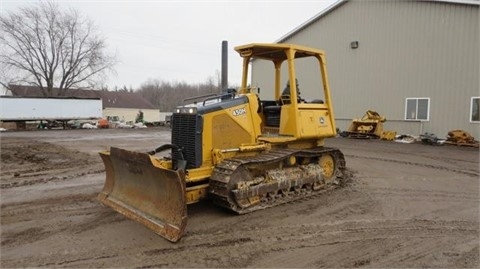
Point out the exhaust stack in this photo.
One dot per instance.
(224, 82)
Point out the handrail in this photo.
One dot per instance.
(198, 97)
(218, 97)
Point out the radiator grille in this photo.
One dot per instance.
(186, 136)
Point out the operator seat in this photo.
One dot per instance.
(272, 115)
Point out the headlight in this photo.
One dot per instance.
(186, 110)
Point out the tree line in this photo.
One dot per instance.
(168, 95)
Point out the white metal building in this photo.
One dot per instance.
(415, 62)
(123, 105)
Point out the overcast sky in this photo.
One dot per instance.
(181, 40)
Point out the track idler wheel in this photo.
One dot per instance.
(327, 162)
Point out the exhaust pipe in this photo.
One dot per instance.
(224, 82)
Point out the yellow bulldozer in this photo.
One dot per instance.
(243, 153)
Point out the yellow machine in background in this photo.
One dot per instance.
(243, 153)
(369, 126)
(461, 138)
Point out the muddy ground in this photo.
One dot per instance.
(407, 205)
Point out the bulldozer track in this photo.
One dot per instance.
(260, 191)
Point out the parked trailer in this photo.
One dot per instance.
(22, 109)
(165, 118)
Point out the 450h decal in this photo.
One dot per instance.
(239, 111)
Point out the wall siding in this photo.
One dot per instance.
(406, 49)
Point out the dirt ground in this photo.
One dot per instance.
(407, 205)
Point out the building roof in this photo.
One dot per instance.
(109, 99)
(338, 3)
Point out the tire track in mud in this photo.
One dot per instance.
(49, 205)
(34, 234)
(452, 160)
(66, 262)
(42, 180)
(436, 167)
(422, 195)
(58, 209)
(278, 246)
(335, 244)
(30, 162)
(381, 228)
(26, 236)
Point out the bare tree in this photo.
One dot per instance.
(47, 47)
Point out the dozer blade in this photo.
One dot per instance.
(141, 191)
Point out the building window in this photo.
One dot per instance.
(417, 109)
(475, 109)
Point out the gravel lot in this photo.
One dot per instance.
(407, 205)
